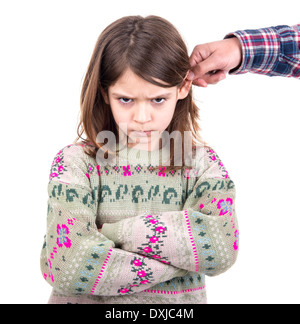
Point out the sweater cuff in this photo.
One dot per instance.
(261, 49)
(241, 69)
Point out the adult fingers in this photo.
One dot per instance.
(210, 79)
(201, 69)
(213, 78)
(200, 83)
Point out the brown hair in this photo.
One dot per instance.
(154, 50)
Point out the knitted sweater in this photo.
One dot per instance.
(162, 233)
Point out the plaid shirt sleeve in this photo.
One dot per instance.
(273, 51)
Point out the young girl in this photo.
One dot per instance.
(122, 228)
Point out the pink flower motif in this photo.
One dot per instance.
(142, 273)
(235, 246)
(149, 216)
(160, 229)
(137, 263)
(154, 221)
(87, 175)
(201, 206)
(124, 291)
(161, 172)
(144, 282)
(62, 239)
(236, 243)
(57, 160)
(154, 239)
(53, 175)
(156, 256)
(147, 249)
(60, 168)
(225, 206)
(126, 170)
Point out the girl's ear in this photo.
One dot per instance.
(184, 89)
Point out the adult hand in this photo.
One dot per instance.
(212, 61)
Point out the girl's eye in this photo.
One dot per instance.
(125, 100)
(159, 101)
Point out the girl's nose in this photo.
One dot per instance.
(142, 114)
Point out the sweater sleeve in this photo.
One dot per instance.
(77, 259)
(203, 237)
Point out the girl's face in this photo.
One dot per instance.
(143, 110)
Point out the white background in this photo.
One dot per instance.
(250, 120)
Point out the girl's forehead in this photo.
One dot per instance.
(131, 83)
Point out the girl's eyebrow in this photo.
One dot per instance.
(162, 95)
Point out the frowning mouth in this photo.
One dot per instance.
(141, 134)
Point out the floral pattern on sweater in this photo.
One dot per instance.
(154, 241)
(162, 232)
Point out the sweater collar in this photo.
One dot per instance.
(135, 156)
